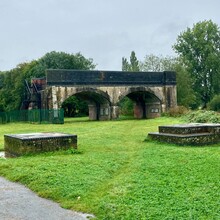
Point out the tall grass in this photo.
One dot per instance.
(116, 174)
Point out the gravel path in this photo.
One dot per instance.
(19, 203)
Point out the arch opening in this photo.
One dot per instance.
(92, 103)
(74, 106)
(140, 104)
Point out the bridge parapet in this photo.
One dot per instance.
(110, 78)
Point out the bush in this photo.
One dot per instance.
(202, 116)
(214, 104)
(126, 106)
(177, 111)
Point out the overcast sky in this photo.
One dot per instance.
(104, 30)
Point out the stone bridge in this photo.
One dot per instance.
(151, 92)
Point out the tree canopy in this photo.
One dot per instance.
(197, 66)
(199, 50)
(185, 93)
(12, 89)
(159, 63)
(133, 66)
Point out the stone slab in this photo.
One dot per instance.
(31, 143)
(186, 139)
(188, 134)
(192, 128)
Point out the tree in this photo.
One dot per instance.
(133, 66)
(186, 96)
(125, 64)
(199, 49)
(60, 60)
(214, 104)
(126, 104)
(10, 93)
(75, 107)
(185, 93)
(2, 76)
(157, 63)
(12, 89)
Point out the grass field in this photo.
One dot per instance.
(116, 174)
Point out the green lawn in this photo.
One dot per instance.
(116, 174)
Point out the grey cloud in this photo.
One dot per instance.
(103, 30)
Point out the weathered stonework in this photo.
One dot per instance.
(21, 144)
(151, 92)
(188, 134)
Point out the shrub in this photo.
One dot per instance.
(202, 116)
(176, 111)
(214, 104)
(126, 106)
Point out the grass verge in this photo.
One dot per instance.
(115, 174)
